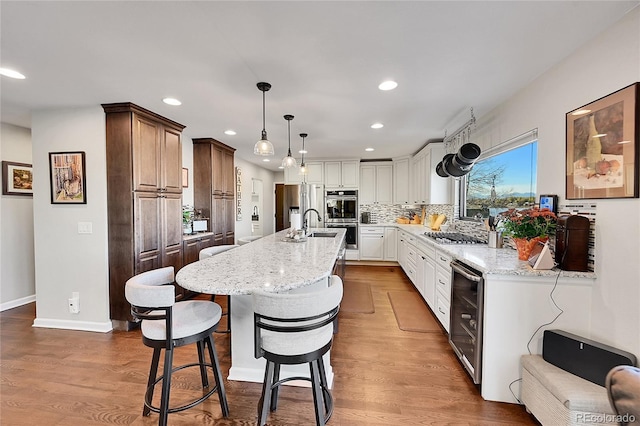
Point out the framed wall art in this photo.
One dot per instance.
(603, 146)
(68, 177)
(17, 178)
(185, 177)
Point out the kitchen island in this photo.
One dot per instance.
(271, 263)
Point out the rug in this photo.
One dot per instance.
(412, 314)
(357, 298)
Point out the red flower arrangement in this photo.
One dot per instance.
(530, 223)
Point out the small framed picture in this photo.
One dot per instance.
(185, 177)
(550, 202)
(17, 178)
(68, 177)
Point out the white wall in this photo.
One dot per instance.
(17, 271)
(65, 260)
(267, 214)
(603, 65)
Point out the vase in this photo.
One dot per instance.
(525, 245)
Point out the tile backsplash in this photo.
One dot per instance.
(388, 213)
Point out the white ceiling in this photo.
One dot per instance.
(324, 60)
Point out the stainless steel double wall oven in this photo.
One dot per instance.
(341, 211)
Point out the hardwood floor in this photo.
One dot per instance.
(384, 376)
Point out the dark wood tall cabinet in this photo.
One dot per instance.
(214, 187)
(144, 198)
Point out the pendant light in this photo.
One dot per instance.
(288, 161)
(263, 146)
(303, 167)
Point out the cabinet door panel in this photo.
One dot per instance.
(230, 218)
(217, 170)
(384, 184)
(350, 174)
(147, 234)
(332, 174)
(190, 251)
(172, 161)
(228, 184)
(172, 221)
(367, 191)
(146, 154)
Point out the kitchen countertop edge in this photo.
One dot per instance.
(489, 261)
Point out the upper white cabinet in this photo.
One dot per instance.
(315, 173)
(429, 188)
(401, 194)
(342, 174)
(376, 183)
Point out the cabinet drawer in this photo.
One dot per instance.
(443, 260)
(443, 283)
(442, 310)
(412, 255)
(371, 230)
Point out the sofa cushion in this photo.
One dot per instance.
(573, 392)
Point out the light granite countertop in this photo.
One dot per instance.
(489, 261)
(268, 263)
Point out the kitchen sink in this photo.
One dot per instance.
(323, 234)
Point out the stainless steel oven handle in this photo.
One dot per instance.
(458, 267)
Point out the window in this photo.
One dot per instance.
(504, 178)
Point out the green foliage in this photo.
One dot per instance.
(529, 223)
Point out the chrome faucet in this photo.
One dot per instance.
(304, 220)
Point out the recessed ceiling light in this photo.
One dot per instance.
(171, 101)
(281, 167)
(581, 112)
(388, 85)
(369, 149)
(11, 73)
(266, 160)
(377, 126)
(229, 132)
(302, 151)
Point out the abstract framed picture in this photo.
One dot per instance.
(17, 178)
(68, 177)
(603, 146)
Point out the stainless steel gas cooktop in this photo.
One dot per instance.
(453, 238)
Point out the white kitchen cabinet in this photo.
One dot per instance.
(429, 188)
(427, 273)
(402, 250)
(342, 174)
(443, 287)
(390, 243)
(401, 168)
(378, 243)
(371, 243)
(376, 183)
(315, 173)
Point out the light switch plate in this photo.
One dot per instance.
(85, 227)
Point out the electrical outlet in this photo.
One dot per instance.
(74, 303)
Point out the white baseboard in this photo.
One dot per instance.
(101, 327)
(18, 302)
